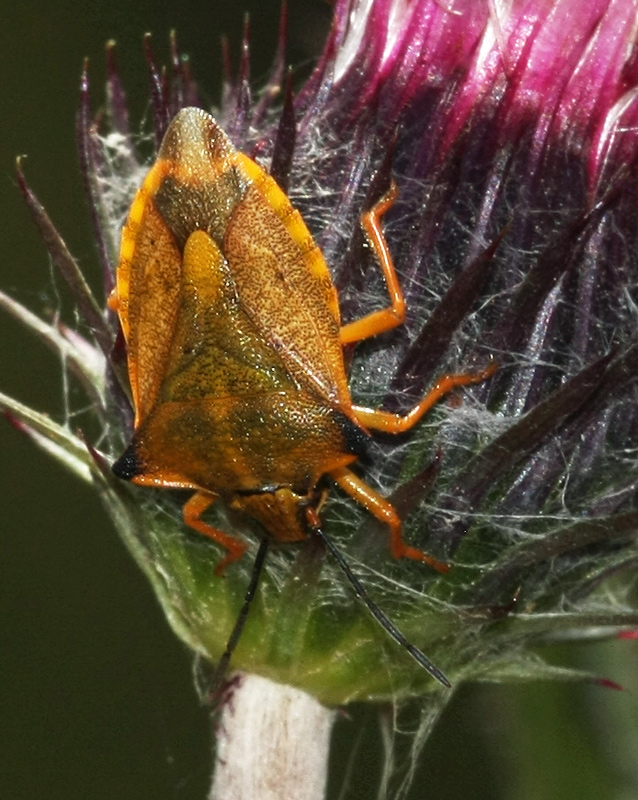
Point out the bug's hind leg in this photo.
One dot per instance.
(384, 511)
(386, 318)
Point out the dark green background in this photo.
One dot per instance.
(96, 695)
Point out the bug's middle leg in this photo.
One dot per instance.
(398, 423)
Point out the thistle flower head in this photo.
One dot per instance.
(510, 131)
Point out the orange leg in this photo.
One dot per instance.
(385, 512)
(396, 423)
(386, 318)
(193, 510)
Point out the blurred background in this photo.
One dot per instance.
(97, 697)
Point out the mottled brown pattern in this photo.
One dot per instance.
(236, 346)
(287, 303)
(195, 145)
(227, 393)
(200, 205)
(151, 308)
(217, 351)
(233, 334)
(242, 444)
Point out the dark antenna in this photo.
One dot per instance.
(383, 620)
(233, 639)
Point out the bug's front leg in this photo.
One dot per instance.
(384, 511)
(193, 509)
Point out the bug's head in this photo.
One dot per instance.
(281, 512)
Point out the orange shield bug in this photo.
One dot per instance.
(235, 345)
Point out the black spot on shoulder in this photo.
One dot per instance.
(355, 438)
(128, 465)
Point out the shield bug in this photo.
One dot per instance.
(235, 346)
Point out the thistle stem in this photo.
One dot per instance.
(272, 742)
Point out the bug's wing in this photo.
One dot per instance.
(174, 200)
(200, 182)
(216, 352)
(229, 416)
(285, 286)
(148, 289)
